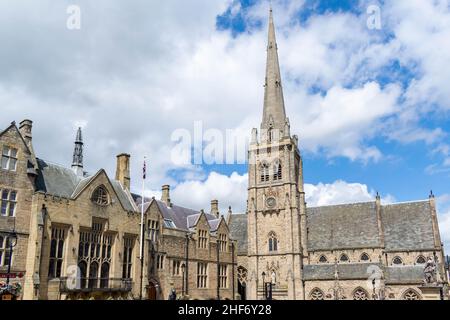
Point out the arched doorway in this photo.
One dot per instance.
(151, 291)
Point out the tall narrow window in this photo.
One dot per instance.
(277, 171)
(176, 267)
(153, 230)
(202, 275)
(264, 172)
(222, 242)
(160, 262)
(5, 251)
(9, 158)
(202, 239)
(127, 258)
(56, 252)
(273, 242)
(8, 203)
(223, 276)
(94, 255)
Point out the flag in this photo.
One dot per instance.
(144, 171)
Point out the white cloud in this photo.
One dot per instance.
(232, 190)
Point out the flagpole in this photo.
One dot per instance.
(141, 249)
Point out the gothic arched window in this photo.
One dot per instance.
(411, 294)
(360, 294)
(264, 172)
(397, 261)
(421, 260)
(343, 258)
(277, 171)
(364, 257)
(323, 259)
(273, 242)
(316, 294)
(242, 274)
(100, 196)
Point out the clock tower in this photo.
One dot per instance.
(276, 202)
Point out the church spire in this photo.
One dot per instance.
(77, 163)
(274, 114)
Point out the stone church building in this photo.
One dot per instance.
(351, 251)
(70, 234)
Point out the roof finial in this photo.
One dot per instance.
(431, 194)
(77, 163)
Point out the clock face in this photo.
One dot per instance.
(271, 202)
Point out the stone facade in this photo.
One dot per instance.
(79, 233)
(288, 250)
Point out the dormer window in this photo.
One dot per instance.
(100, 196)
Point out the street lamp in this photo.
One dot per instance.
(12, 243)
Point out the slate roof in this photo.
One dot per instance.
(358, 271)
(63, 182)
(404, 274)
(347, 271)
(342, 226)
(238, 230)
(183, 218)
(408, 226)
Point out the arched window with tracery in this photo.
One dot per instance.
(323, 259)
(264, 172)
(344, 258)
(273, 242)
(421, 260)
(242, 274)
(316, 294)
(397, 261)
(360, 294)
(100, 196)
(364, 257)
(277, 170)
(411, 294)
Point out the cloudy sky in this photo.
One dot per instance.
(370, 105)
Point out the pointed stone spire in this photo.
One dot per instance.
(274, 114)
(77, 163)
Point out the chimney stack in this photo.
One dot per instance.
(165, 197)
(123, 170)
(215, 208)
(25, 129)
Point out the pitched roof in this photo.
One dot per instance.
(64, 182)
(342, 226)
(183, 218)
(408, 226)
(238, 231)
(404, 275)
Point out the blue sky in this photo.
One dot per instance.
(402, 173)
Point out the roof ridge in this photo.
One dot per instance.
(342, 204)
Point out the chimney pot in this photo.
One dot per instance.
(165, 197)
(123, 170)
(215, 208)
